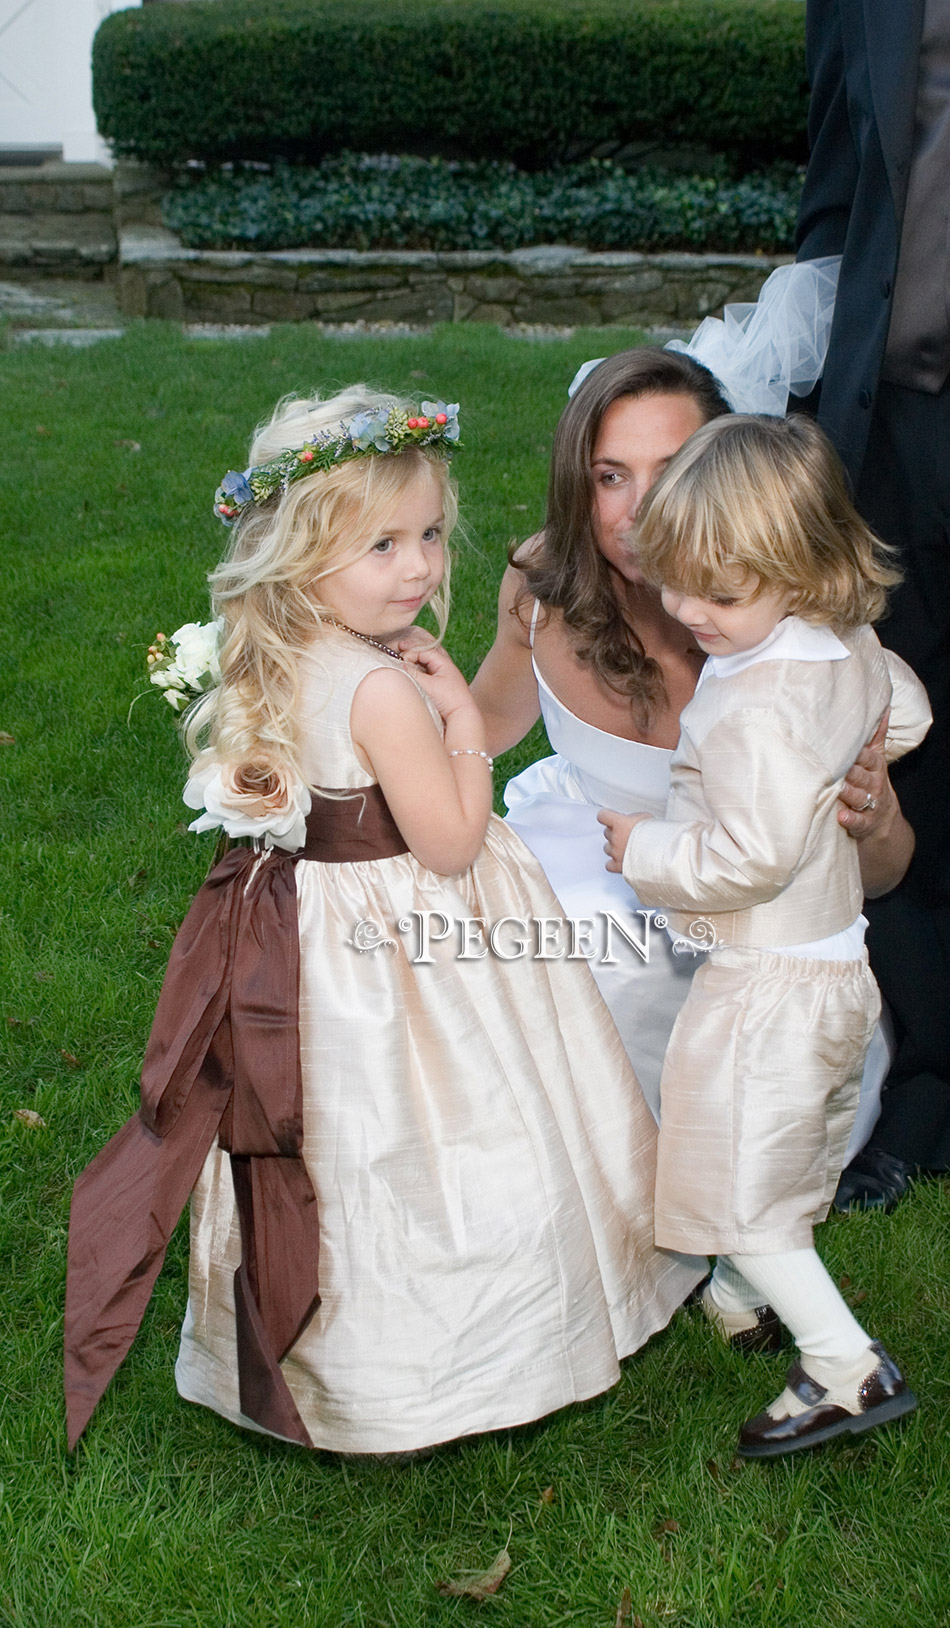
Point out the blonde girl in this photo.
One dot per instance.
(759, 553)
(357, 1045)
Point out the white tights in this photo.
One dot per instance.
(798, 1286)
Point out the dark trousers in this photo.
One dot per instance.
(904, 493)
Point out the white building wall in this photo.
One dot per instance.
(46, 77)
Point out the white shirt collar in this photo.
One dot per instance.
(791, 640)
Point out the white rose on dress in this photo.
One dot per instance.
(275, 812)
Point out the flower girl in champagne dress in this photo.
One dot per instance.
(386, 1064)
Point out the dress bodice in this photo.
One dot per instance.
(609, 772)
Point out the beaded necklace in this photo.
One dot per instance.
(376, 643)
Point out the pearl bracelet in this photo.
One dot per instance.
(472, 751)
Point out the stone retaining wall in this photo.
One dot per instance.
(551, 286)
(88, 221)
(57, 219)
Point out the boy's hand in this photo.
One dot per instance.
(617, 833)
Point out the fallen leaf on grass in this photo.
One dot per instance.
(133, 446)
(547, 1495)
(28, 1116)
(68, 1057)
(478, 1585)
(858, 1296)
(844, 1282)
(714, 1471)
(661, 1535)
(625, 1611)
(41, 429)
(5, 739)
(43, 977)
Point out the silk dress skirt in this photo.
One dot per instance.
(484, 1166)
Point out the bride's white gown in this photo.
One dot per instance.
(553, 807)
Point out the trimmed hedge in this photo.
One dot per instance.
(534, 81)
(359, 201)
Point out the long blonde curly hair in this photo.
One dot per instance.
(266, 587)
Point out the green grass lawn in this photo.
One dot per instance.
(166, 1516)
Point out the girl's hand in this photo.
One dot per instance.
(867, 798)
(416, 639)
(617, 834)
(441, 804)
(436, 673)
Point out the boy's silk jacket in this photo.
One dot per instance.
(751, 839)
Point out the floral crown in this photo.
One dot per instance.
(383, 429)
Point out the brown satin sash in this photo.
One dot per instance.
(223, 1059)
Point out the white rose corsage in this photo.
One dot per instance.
(274, 814)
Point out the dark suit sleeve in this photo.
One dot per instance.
(833, 166)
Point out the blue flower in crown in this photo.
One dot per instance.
(445, 415)
(368, 430)
(231, 496)
(237, 487)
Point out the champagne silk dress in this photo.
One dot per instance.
(482, 1155)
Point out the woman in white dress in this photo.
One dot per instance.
(585, 644)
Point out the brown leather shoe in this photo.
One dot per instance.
(880, 1396)
(746, 1331)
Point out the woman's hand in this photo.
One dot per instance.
(870, 812)
(867, 798)
(617, 834)
(437, 675)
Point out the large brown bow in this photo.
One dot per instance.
(223, 1059)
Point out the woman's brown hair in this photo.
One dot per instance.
(567, 571)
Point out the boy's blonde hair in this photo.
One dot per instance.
(267, 586)
(764, 498)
